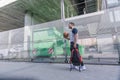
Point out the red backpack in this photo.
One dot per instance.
(75, 58)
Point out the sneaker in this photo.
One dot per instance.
(72, 66)
(83, 68)
(77, 67)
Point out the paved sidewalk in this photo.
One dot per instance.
(50, 71)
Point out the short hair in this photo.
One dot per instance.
(72, 23)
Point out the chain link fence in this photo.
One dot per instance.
(99, 39)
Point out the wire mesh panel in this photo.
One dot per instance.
(4, 38)
(4, 41)
(11, 43)
(99, 35)
(16, 45)
(47, 40)
(98, 32)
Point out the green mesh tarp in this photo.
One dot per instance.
(46, 39)
(81, 49)
(51, 38)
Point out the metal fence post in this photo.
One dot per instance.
(65, 52)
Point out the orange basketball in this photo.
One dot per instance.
(65, 34)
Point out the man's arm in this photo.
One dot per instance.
(75, 39)
(75, 32)
(68, 38)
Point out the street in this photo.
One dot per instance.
(51, 71)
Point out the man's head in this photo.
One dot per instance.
(71, 25)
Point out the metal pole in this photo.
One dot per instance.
(62, 11)
(85, 7)
(106, 6)
(118, 47)
(63, 22)
(67, 12)
(117, 44)
(65, 52)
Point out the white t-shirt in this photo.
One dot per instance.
(72, 33)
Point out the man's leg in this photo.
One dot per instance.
(71, 65)
(81, 62)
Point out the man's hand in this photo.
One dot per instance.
(75, 40)
(74, 45)
(67, 38)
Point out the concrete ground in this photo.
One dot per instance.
(50, 71)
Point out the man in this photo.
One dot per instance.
(73, 37)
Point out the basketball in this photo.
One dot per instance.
(65, 34)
